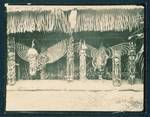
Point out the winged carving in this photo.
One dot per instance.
(122, 48)
(22, 51)
(101, 55)
(52, 54)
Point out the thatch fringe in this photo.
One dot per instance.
(44, 21)
(108, 20)
(87, 20)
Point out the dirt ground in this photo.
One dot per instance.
(74, 96)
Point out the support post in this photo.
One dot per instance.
(82, 54)
(70, 59)
(131, 62)
(11, 65)
(18, 70)
(116, 68)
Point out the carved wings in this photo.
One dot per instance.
(51, 55)
(91, 51)
(58, 50)
(122, 48)
(22, 50)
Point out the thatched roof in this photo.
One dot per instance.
(22, 19)
(42, 21)
(108, 20)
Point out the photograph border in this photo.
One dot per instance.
(3, 66)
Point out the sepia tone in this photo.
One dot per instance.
(75, 58)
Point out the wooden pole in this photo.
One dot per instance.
(116, 68)
(11, 65)
(70, 59)
(131, 62)
(83, 61)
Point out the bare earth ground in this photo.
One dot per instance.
(56, 95)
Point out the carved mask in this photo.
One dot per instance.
(32, 57)
(100, 60)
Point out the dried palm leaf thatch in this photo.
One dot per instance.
(102, 19)
(108, 19)
(44, 21)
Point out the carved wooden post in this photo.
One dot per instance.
(18, 70)
(70, 49)
(70, 59)
(131, 62)
(116, 68)
(11, 66)
(83, 61)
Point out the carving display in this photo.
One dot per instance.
(101, 55)
(99, 58)
(38, 61)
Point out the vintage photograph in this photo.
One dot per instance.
(75, 58)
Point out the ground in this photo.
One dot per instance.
(51, 95)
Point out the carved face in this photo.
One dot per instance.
(100, 60)
(32, 57)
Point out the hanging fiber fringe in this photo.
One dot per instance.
(108, 20)
(87, 20)
(44, 21)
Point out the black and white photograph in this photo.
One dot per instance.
(75, 58)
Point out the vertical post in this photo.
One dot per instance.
(70, 49)
(116, 68)
(70, 59)
(131, 62)
(11, 66)
(18, 70)
(82, 54)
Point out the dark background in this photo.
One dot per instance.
(3, 54)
